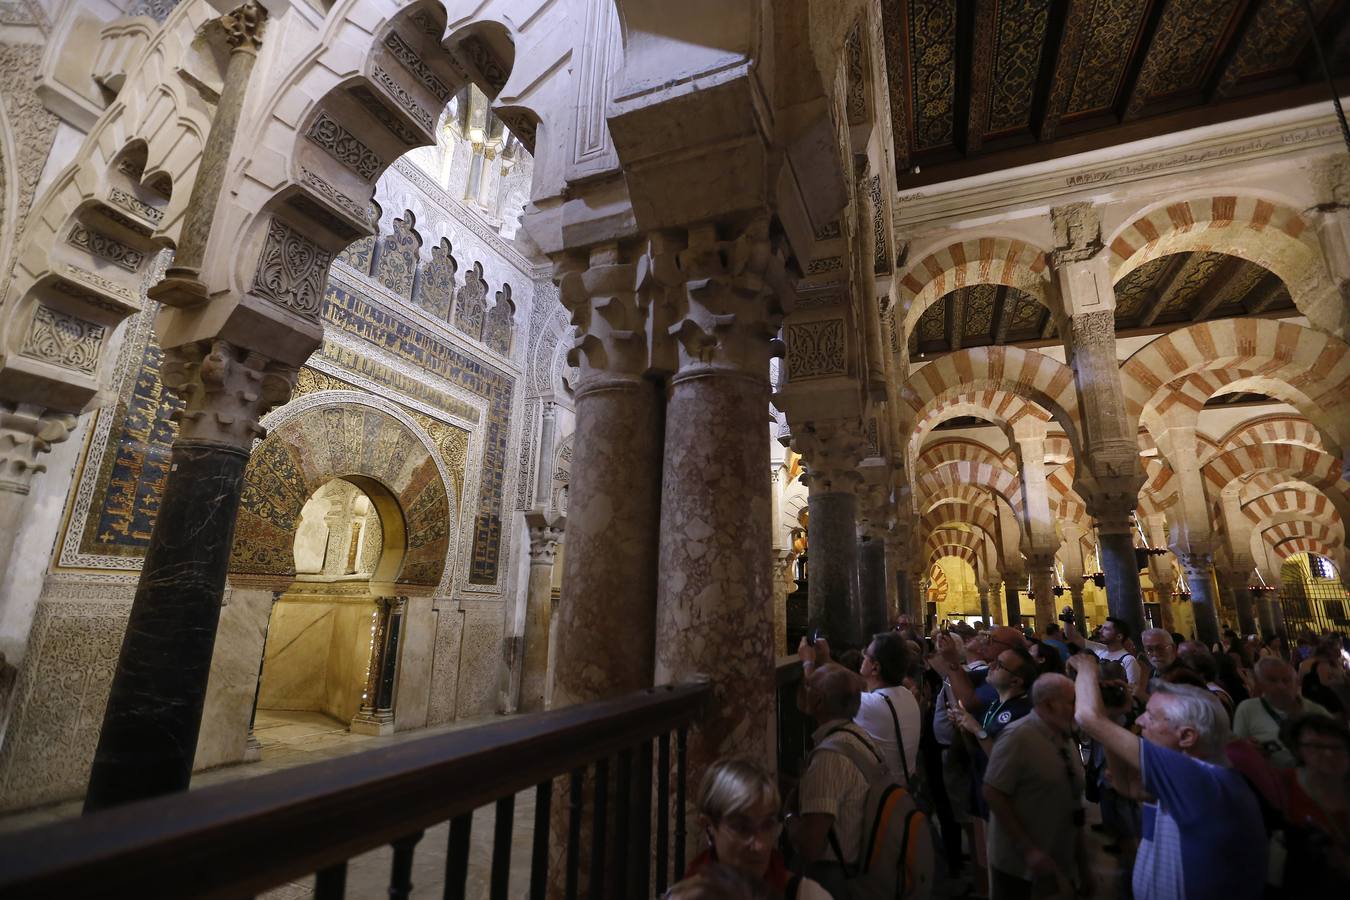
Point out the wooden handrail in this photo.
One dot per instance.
(237, 839)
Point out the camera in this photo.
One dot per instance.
(814, 635)
(1066, 615)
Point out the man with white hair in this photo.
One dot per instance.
(1260, 718)
(1159, 649)
(1203, 838)
(1033, 786)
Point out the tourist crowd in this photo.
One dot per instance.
(1010, 764)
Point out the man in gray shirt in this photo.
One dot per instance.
(1033, 786)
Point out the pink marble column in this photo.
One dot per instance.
(606, 615)
(715, 596)
(546, 531)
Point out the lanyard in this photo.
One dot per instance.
(990, 713)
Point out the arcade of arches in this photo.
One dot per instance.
(407, 361)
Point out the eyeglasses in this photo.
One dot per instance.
(1336, 747)
(745, 828)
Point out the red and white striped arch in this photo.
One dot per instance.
(1269, 234)
(984, 260)
(945, 480)
(1287, 461)
(1275, 429)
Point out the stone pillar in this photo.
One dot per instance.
(1115, 540)
(1076, 600)
(1331, 217)
(26, 432)
(154, 708)
(546, 531)
(1011, 601)
(1265, 610)
(609, 570)
(1240, 596)
(872, 580)
(715, 593)
(895, 544)
(983, 588)
(831, 450)
(1199, 569)
(909, 605)
(1042, 587)
(543, 490)
(784, 583)
(366, 720)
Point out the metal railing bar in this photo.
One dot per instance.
(331, 883)
(457, 857)
(663, 813)
(543, 801)
(575, 801)
(400, 872)
(599, 819)
(501, 847)
(681, 776)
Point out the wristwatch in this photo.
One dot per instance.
(982, 735)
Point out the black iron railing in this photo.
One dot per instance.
(240, 838)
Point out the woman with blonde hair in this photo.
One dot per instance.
(739, 810)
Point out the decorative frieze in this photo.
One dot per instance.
(291, 270)
(827, 232)
(815, 349)
(881, 247)
(485, 61)
(404, 99)
(135, 206)
(104, 247)
(344, 146)
(825, 264)
(371, 104)
(407, 57)
(337, 198)
(64, 340)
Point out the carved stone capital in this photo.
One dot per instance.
(546, 532)
(726, 310)
(609, 295)
(1040, 560)
(831, 450)
(27, 432)
(244, 26)
(1195, 564)
(1078, 233)
(226, 389)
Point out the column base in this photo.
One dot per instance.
(375, 724)
(252, 749)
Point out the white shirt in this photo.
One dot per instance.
(875, 718)
(1133, 671)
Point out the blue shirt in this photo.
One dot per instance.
(1203, 839)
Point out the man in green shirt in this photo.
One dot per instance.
(1260, 717)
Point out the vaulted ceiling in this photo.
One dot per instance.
(980, 85)
(1174, 290)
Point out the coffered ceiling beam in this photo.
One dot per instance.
(1245, 18)
(1215, 286)
(1264, 294)
(1166, 284)
(956, 318)
(1127, 106)
(1073, 36)
(1003, 310)
(981, 68)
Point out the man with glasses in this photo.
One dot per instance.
(1159, 649)
(1033, 786)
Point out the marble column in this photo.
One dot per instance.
(1076, 600)
(1240, 598)
(1265, 611)
(784, 583)
(154, 709)
(1042, 570)
(366, 720)
(909, 605)
(895, 566)
(984, 600)
(614, 496)
(543, 490)
(1199, 570)
(993, 594)
(833, 602)
(715, 593)
(872, 581)
(1012, 602)
(546, 532)
(1115, 539)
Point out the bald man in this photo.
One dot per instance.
(1033, 786)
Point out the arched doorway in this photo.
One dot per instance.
(330, 660)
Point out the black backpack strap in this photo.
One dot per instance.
(794, 884)
(839, 853)
(899, 738)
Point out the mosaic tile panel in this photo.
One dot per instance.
(396, 261)
(471, 303)
(436, 283)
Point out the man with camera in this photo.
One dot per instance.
(1114, 634)
(1203, 838)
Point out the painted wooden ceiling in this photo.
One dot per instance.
(1171, 291)
(981, 85)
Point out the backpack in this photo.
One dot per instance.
(897, 846)
(916, 782)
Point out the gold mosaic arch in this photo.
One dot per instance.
(365, 445)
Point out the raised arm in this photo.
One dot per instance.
(1092, 718)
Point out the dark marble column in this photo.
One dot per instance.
(1011, 600)
(1240, 597)
(154, 710)
(1199, 569)
(833, 604)
(1124, 597)
(1042, 587)
(872, 580)
(1265, 609)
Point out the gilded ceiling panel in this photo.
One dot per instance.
(1027, 314)
(1106, 52)
(979, 316)
(1017, 59)
(1273, 41)
(933, 322)
(1243, 282)
(1188, 287)
(1135, 290)
(1187, 38)
(932, 50)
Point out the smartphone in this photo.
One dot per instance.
(813, 636)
